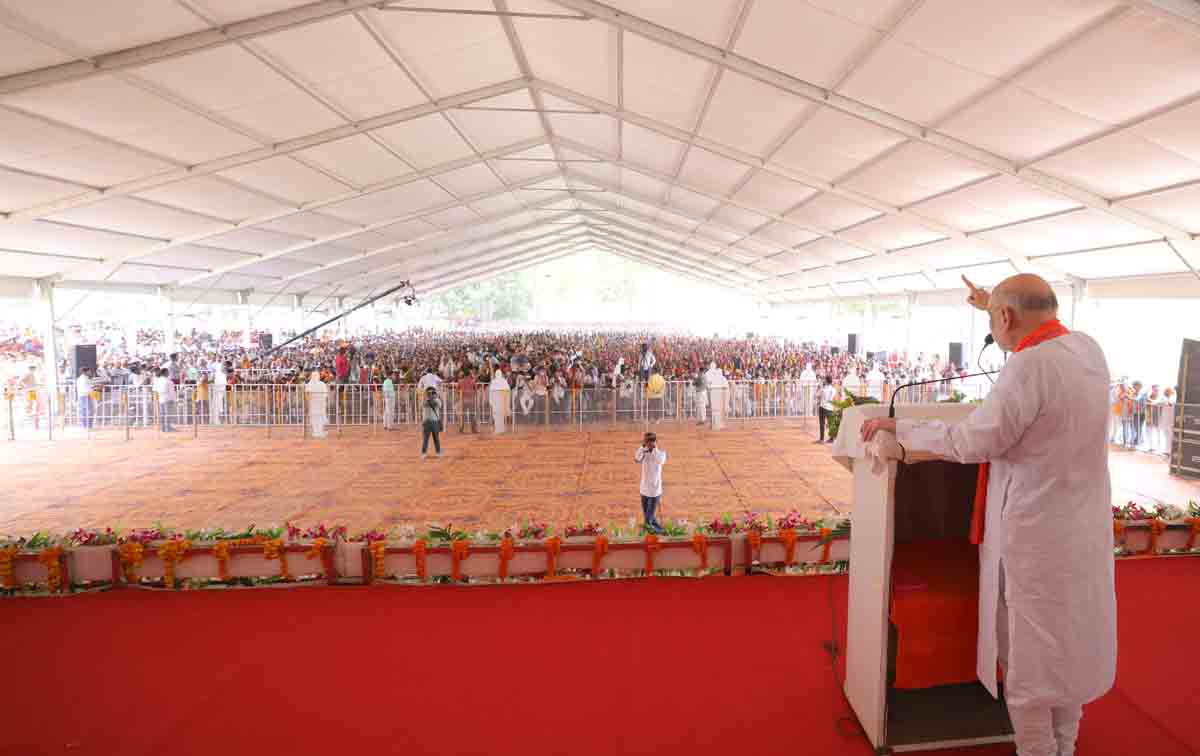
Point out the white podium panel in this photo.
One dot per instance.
(926, 500)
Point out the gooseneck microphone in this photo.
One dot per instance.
(892, 405)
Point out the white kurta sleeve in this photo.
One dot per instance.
(988, 432)
(662, 456)
(639, 454)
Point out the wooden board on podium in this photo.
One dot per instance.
(925, 500)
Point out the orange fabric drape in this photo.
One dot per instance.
(553, 547)
(599, 549)
(1051, 329)
(935, 608)
(788, 536)
(652, 545)
(419, 557)
(507, 550)
(700, 546)
(459, 550)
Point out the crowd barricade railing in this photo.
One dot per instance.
(198, 408)
(1142, 424)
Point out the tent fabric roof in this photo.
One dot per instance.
(790, 149)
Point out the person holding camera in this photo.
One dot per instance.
(431, 425)
(651, 458)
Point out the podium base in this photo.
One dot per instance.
(947, 716)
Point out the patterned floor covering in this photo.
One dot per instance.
(235, 478)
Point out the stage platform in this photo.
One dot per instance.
(235, 478)
(693, 667)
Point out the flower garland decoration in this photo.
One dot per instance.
(1118, 529)
(1194, 523)
(825, 533)
(599, 549)
(51, 557)
(8, 556)
(1157, 527)
(419, 556)
(221, 552)
(378, 551)
(132, 555)
(507, 549)
(753, 542)
(700, 546)
(172, 553)
(553, 547)
(652, 545)
(459, 550)
(788, 537)
(317, 551)
(274, 549)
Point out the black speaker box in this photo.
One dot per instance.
(82, 356)
(956, 356)
(265, 341)
(852, 343)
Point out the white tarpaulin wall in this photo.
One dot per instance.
(791, 150)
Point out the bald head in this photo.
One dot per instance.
(1029, 295)
(1017, 306)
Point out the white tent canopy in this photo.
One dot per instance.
(790, 149)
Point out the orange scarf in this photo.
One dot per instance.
(1051, 329)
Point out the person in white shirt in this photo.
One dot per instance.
(652, 459)
(83, 390)
(428, 381)
(825, 407)
(1166, 420)
(647, 362)
(1047, 601)
(216, 395)
(498, 397)
(718, 395)
(164, 387)
(317, 394)
(389, 402)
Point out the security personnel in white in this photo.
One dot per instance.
(1047, 604)
(652, 459)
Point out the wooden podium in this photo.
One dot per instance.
(921, 508)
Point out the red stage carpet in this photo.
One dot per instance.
(718, 666)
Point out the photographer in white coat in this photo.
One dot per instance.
(1047, 604)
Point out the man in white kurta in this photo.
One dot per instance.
(498, 393)
(1047, 605)
(318, 398)
(718, 390)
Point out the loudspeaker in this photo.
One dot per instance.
(1185, 435)
(82, 356)
(852, 343)
(833, 350)
(265, 341)
(956, 353)
(870, 356)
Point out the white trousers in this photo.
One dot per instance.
(389, 409)
(498, 418)
(216, 406)
(1039, 730)
(318, 425)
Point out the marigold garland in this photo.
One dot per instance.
(419, 556)
(599, 549)
(317, 551)
(378, 551)
(51, 558)
(172, 553)
(788, 536)
(753, 542)
(825, 533)
(1118, 529)
(652, 545)
(1157, 527)
(1194, 522)
(132, 555)
(459, 550)
(274, 549)
(553, 548)
(220, 550)
(8, 557)
(507, 549)
(700, 546)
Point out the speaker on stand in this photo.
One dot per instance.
(956, 354)
(83, 356)
(852, 343)
(1185, 433)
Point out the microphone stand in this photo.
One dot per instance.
(892, 405)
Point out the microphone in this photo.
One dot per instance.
(892, 405)
(988, 340)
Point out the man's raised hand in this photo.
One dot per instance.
(977, 298)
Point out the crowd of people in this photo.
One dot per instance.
(539, 366)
